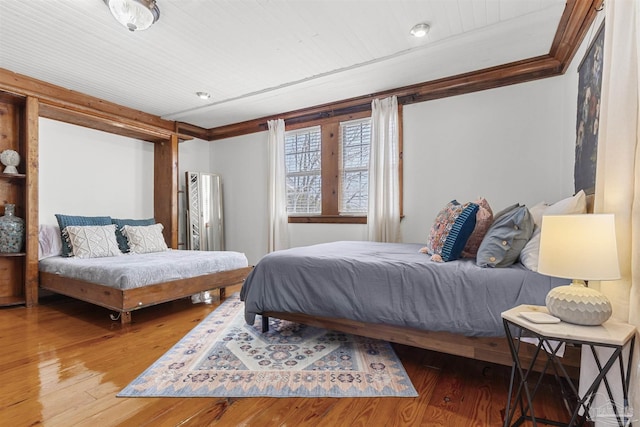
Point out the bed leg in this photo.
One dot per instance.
(265, 324)
(125, 318)
(223, 293)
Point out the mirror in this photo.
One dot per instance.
(204, 225)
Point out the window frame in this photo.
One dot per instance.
(330, 169)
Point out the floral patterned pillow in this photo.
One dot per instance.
(484, 219)
(451, 230)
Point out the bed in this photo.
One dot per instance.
(132, 281)
(479, 264)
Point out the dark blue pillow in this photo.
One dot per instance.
(64, 220)
(123, 244)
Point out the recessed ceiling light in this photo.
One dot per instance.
(203, 95)
(420, 30)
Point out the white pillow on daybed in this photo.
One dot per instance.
(144, 239)
(93, 241)
(49, 241)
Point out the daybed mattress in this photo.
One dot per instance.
(391, 283)
(130, 271)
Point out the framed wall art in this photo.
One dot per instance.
(587, 124)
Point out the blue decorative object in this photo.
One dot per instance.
(11, 231)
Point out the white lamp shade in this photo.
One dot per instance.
(579, 247)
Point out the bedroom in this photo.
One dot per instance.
(502, 126)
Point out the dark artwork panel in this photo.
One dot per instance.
(589, 86)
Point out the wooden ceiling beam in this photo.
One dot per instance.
(516, 72)
(574, 24)
(74, 107)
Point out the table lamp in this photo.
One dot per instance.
(581, 248)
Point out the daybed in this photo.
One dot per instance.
(394, 292)
(129, 282)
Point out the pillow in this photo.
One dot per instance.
(484, 219)
(451, 230)
(93, 241)
(49, 241)
(529, 254)
(505, 238)
(576, 204)
(120, 237)
(145, 239)
(573, 205)
(65, 220)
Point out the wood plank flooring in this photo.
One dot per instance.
(63, 362)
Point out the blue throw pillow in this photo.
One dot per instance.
(506, 237)
(123, 244)
(451, 230)
(64, 220)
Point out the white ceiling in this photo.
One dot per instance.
(263, 57)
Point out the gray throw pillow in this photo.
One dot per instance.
(505, 238)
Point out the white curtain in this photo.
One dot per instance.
(277, 192)
(383, 217)
(618, 163)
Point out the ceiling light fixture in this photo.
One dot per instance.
(420, 30)
(203, 95)
(136, 15)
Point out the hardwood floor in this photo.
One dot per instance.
(63, 362)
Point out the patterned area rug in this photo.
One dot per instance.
(225, 357)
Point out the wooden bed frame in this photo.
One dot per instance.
(126, 301)
(487, 349)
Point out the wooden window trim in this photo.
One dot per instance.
(330, 128)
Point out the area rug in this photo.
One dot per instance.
(225, 357)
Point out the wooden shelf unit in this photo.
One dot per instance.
(19, 125)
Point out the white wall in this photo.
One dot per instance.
(88, 172)
(193, 156)
(508, 145)
(242, 163)
(511, 144)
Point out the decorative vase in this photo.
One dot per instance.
(575, 303)
(11, 231)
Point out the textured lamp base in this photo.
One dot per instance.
(578, 304)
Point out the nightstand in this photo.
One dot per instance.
(611, 335)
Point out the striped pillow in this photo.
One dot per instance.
(451, 230)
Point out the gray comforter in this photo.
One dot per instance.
(391, 283)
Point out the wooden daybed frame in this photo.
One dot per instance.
(487, 349)
(126, 301)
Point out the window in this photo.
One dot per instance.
(327, 168)
(355, 143)
(302, 163)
